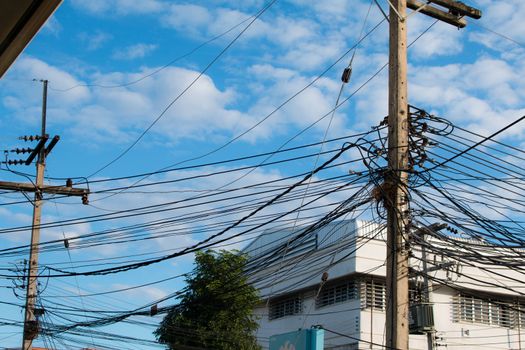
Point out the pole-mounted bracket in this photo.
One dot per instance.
(456, 11)
(457, 7)
(37, 149)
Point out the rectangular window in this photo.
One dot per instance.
(286, 307)
(492, 311)
(504, 316)
(337, 294)
(373, 294)
(521, 315)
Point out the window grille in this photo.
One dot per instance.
(286, 307)
(504, 316)
(521, 315)
(486, 311)
(337, 294)
(373, 294)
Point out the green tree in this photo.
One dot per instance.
(216, 308)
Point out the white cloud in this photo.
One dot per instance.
(93, 6)
(148, 292)
(119, 115)
(178, 234)
(309, 40)
(504, 17)
(334, 11)
(334, 8)
(371, 104)
(203, 23)
(305, 43)
(441, 40)
(94, 41)
(310, 56)
(52, 26)
(309, 106)
(134, 51)
(484, 95)
(14, 218)
(488, 73)
(188, 17)
(120, 7)
(28, 68)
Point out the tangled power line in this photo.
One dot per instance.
(473, 184)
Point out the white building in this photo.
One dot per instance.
(474, 307)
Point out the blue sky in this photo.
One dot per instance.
(114, 66)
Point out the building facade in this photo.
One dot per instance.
(334, 277)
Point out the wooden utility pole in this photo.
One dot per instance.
(396, 178)
(31, 326)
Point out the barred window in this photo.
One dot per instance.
(521, 312)
(337, 294)
(286, 307)
(485, 311)
(373, 295)
(503, 316)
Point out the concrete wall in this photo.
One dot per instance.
(359, 250)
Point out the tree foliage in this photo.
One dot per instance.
(216, 309)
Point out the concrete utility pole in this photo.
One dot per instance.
(396, 178)
(427, 291)
(427, 285)
(31, 326)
